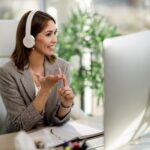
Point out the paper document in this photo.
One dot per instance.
(54, 136)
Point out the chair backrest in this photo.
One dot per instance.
(7, 44)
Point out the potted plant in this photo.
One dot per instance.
(82, 35)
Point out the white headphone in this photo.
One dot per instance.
(29, 40)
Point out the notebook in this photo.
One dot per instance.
(57, 135)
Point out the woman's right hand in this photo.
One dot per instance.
(49, 81)
(45, 84)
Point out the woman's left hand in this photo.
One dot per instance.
(66, 93)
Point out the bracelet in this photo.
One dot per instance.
(62, 105)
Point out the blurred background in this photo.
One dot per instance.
(82, 26)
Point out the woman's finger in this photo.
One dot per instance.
(64, 89)
(66, 94)
(69, 97)
(65, 82)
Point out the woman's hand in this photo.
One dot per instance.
(45, 84)
(66, 93)
(49, 81)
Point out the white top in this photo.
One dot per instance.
(36, 89)
(41, 122)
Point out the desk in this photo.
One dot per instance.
(7, 140)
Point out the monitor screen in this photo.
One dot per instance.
(126, 87)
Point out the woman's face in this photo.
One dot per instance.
(46, 40)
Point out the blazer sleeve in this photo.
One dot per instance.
(56, 120)
(19, 115)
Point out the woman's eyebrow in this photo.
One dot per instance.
(47, 31)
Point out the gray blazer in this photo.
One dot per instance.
(18, 91)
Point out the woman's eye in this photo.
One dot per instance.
(56, 33)
(48, 34)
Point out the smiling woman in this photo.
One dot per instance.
(34, 90)
(46, 40)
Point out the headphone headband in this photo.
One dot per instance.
(29, 40)
(29, 22)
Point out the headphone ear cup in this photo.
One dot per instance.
(29, 41)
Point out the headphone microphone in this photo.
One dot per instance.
(29, 40)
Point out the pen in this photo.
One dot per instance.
(84, 146)
(76, 146)
(67, 148)
(65, 144)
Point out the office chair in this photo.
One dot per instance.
(7, 44)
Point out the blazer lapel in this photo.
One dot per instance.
(27, 81)
(28, 84)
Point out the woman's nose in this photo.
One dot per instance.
(54, 39)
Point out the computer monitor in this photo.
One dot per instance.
(126, 88)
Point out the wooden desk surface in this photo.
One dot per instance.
(7, 141)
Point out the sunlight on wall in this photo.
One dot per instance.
(84, 4)
(88, 100)
(53, 12)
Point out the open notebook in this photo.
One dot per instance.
(57, 135)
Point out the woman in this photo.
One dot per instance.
(34, 83)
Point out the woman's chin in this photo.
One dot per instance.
(50, 53)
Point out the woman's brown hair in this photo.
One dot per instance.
(20, 55)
